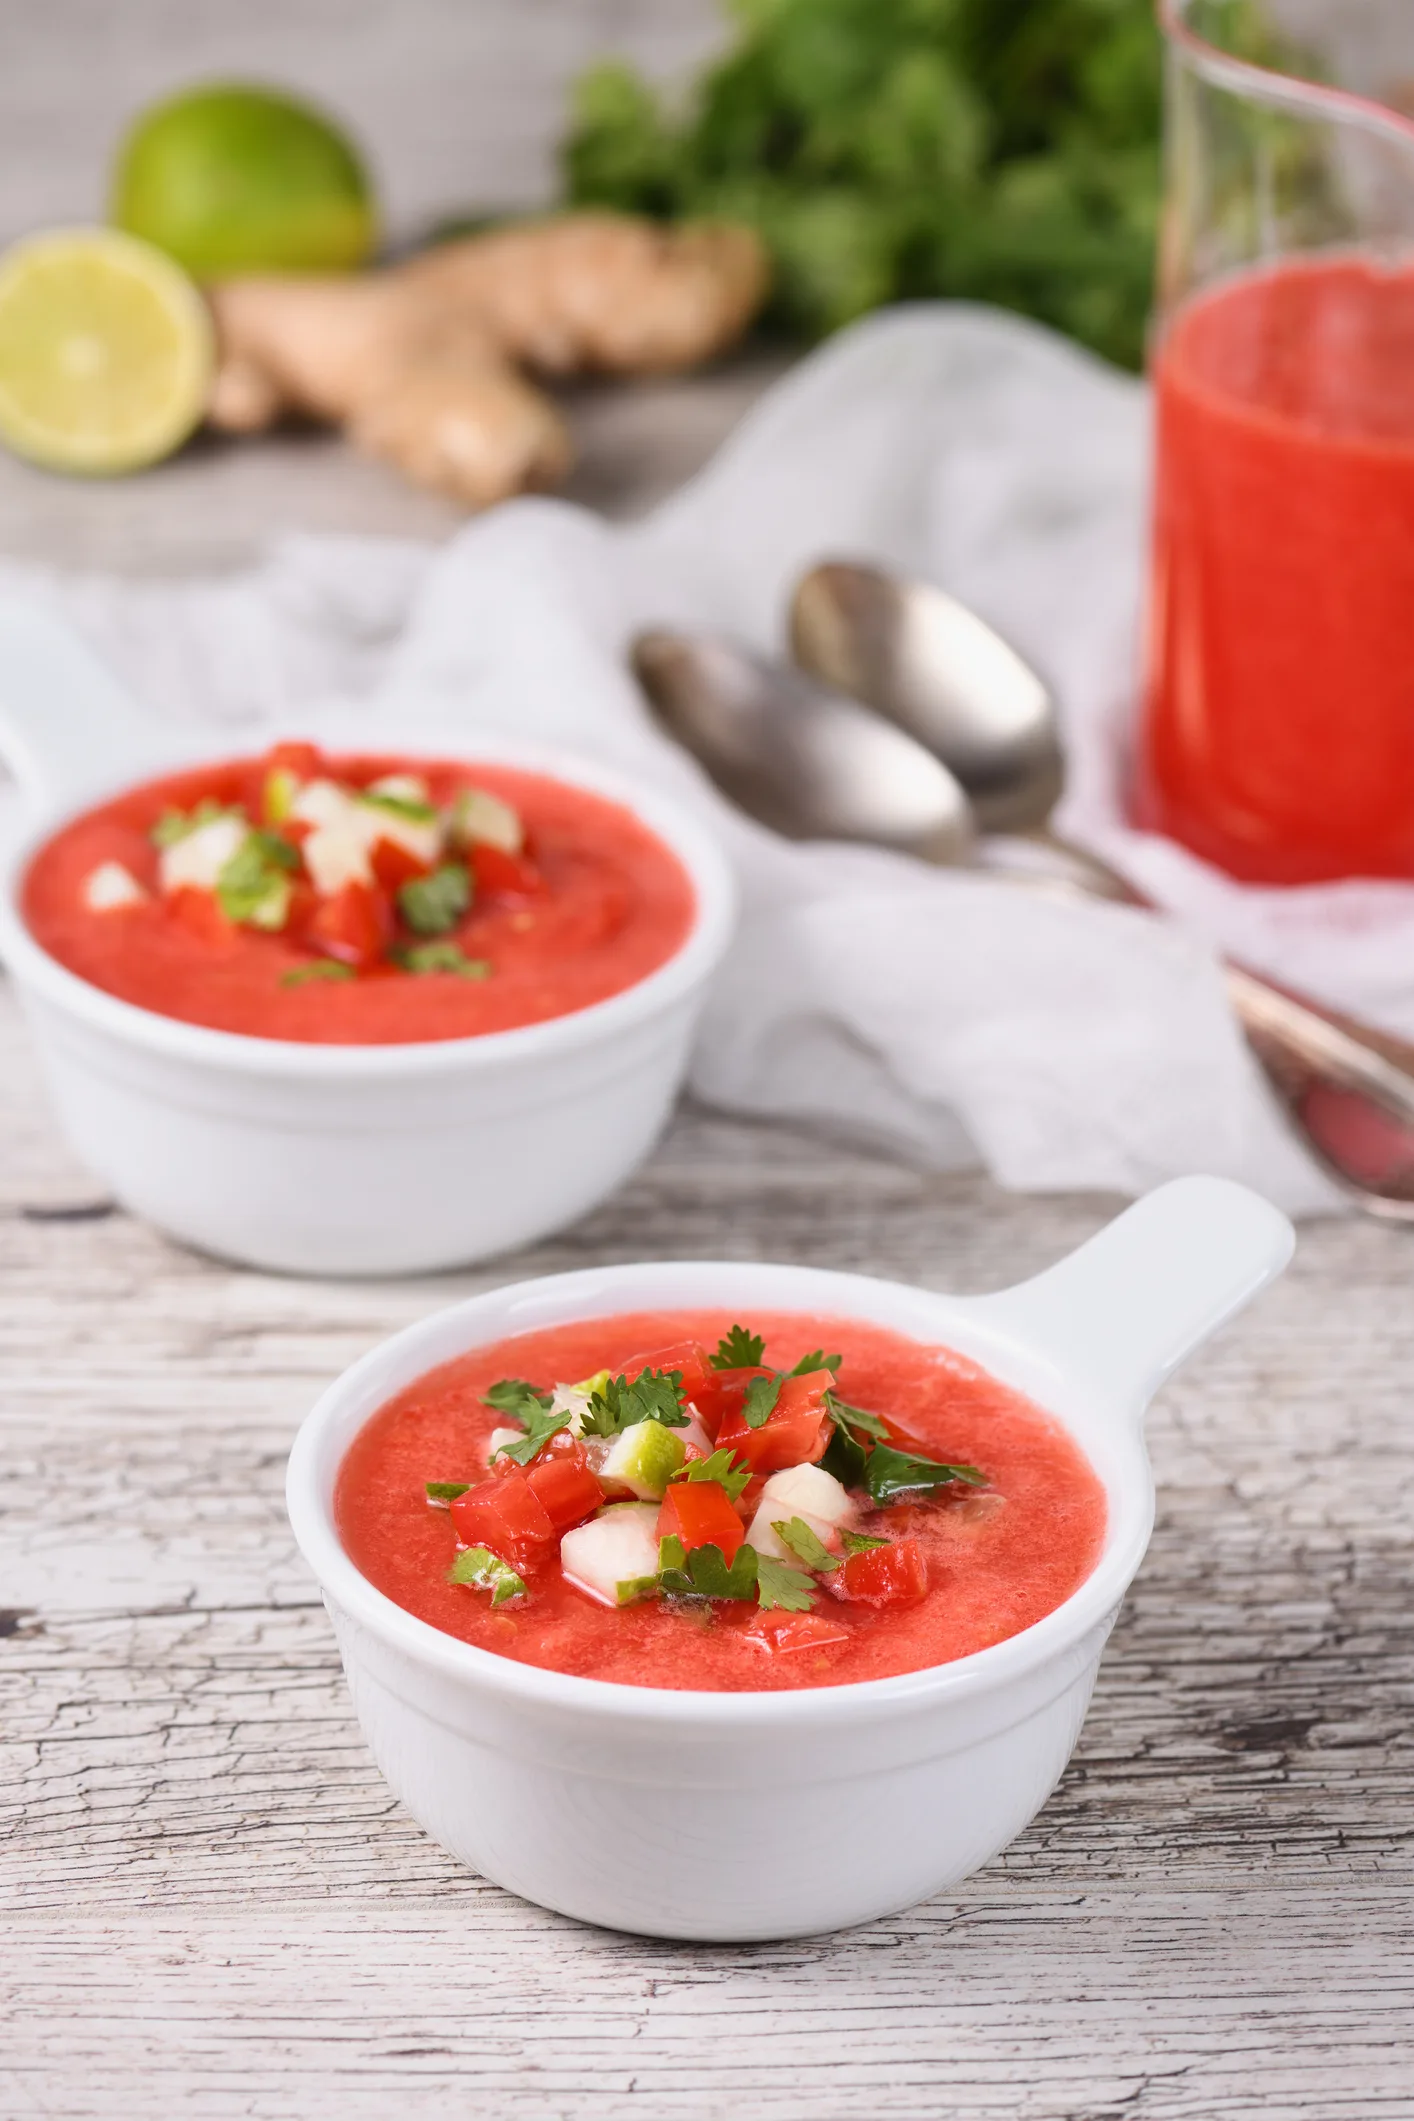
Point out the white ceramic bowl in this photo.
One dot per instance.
(741, 1816)
(334, 1159)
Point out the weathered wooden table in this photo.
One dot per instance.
(213, 1907)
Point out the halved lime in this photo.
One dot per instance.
(106, 351)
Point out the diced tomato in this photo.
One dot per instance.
(506, 1515)
(199, 912)
(565, 1489)
(296, 830)
(355, 925)
(795, 1432)
(687, 1357)
(305, 761)
(700, 1513)
(393, 865)
(784, 1633)
(893, 1575)
(507, 876)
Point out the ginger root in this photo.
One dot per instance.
(424, 363)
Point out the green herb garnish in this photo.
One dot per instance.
(738, 1350)
(818, 1360)
(848, 1451)
(442, 957)
(322, 968)
(407, 806)
(796, 1534)
(446, 1490)
(860, 1542)
(761, 1396)
(892, 1473)
(703, 1573)
(723, 1467)
(514, 1397)
(432, 904)
(654, 1395)
(174, 825)
(779, 1585)
(485, 1571)
(253, 887)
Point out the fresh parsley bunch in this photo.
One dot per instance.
(1002, 150)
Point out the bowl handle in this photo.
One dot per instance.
(1121, 1313)
(68, 731)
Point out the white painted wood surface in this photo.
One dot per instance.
(211, 1906)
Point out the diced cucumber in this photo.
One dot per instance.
(485, 1571)
(762, 1534)
(403, 787)
(500, 1437)
(574, 1399)
(645, 1459)
(278, 797)
(614, 1558)
(478, 816)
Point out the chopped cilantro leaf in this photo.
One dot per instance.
(892, 1473)
(703, 1573)
(724, 1467)
(855, 1418)
(761, 1396)
(253, 887)
(819, 1360)
(738, 1350)
(446, 1490)
(174, 825)
(485, 1571)
(322, 968)
(532, 1409)
(777, 1584)
(416, 812)
(442, 957)
(848, 1453)
(796, 1534)
(432, 904)
(654, 1395)
(860, 1542)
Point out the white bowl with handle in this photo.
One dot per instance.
(320, 1159)
(730, 1816)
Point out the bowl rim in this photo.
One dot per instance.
(1092, 1604)
(687, 967)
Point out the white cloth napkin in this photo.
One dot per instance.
(951, 1018)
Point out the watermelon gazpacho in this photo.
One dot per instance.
(688, 1501)
(359, 900)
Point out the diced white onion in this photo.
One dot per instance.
(498, 1437)
(109, 886)
(336, 855)
(809, 1491)
(196, 860)
(407, 787)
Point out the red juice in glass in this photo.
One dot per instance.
(1278, 732)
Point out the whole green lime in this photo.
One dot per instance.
(235, 179)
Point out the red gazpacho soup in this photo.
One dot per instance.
(689, 1501)
(358, 900)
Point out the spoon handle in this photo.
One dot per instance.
(1348, 1088)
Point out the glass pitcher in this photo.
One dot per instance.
(1277, 731)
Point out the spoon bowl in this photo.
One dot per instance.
(933, 668)
(807, 762)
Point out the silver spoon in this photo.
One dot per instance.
(797, 758)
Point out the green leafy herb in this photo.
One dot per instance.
(442, 957)
(848, 1452)
(174, 825)
(761, 1396)
(738, 1350)
(253, 887)
(805, 1545)
(779, 1585)
(892, 1473)
(860, 1542)
(514, 1397)
(703, 1573)
(321, 968)
(432, 904)
(446, 1490)
(819, 1360)
(410, 807)
(485, 1571)
(995, 150)
(724, 1467)
(654, 1395)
